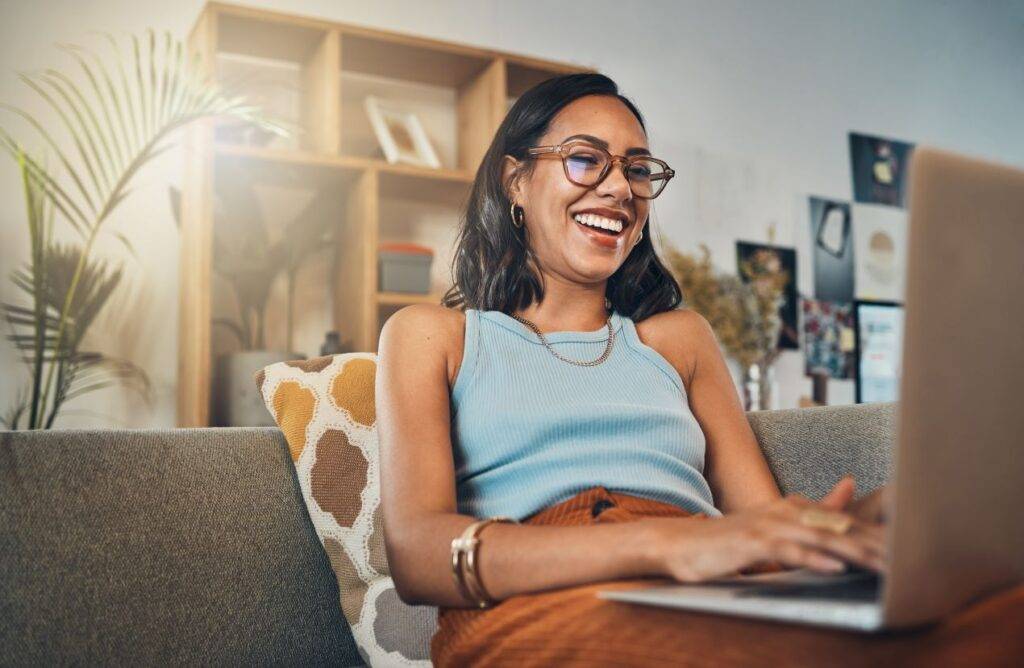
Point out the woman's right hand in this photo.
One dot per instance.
(694, 551)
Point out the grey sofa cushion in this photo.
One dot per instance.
(185, 546)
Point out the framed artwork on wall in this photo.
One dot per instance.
(879, 168)
(880, 252)
(829, 339)
(832, 249)
(878, 327)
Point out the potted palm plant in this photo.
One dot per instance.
(114, 119)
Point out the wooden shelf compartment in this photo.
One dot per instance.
(459, 121)
(454, 90)
(285, 64)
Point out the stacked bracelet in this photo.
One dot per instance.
(471, 587)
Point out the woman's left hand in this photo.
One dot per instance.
(872, 507)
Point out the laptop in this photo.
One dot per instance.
(956, 525)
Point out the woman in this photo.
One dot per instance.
(560, 385)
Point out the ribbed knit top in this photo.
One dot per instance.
(530, 430)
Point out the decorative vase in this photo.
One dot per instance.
(760, 388)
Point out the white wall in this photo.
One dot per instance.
(774, 85)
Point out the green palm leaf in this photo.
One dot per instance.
(116, 118)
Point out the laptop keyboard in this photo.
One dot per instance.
(864, 587)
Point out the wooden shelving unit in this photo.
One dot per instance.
(461, 94)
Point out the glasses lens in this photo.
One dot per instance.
(646, 177)
(585, 164)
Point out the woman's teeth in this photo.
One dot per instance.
(600, 222)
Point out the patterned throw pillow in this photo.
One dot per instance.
(325, 407)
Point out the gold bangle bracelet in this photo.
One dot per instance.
(484, 600)
(463, 545)
(459, 545)
(471, 587)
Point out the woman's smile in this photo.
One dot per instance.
(602, 238)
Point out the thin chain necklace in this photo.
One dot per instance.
(603, 357)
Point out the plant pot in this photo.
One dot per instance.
(235, 400)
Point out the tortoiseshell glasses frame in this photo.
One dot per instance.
(563, 151)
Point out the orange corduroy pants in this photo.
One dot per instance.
(571, 626)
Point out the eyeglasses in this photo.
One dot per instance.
(587, 165)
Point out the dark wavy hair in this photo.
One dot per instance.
(494, 268)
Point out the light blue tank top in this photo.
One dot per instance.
(530, 431)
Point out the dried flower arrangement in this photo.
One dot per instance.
(743, 314)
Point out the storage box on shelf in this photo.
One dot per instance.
(316, 75)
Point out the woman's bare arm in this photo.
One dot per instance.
(418, 488)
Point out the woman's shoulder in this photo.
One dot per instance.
(677, 335)
(434, 327)
(435, 322)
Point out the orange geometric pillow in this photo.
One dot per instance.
(325, 408)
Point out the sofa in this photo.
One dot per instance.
(194, 546)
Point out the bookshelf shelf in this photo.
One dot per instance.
(317, 74)
(312, 159)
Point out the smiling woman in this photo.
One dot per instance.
(560, 421)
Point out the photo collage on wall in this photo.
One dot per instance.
(858, 250)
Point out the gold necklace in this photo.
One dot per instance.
(602, 358)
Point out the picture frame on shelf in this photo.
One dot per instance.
(400, 134)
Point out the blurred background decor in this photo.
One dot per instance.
(115, 118)
(765, 263)
(249, 260)
(405, 267)
(832, 249)
(829, 341)
(744, 315)
(275, 87)
(879, 169)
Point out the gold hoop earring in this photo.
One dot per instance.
(518, 222)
